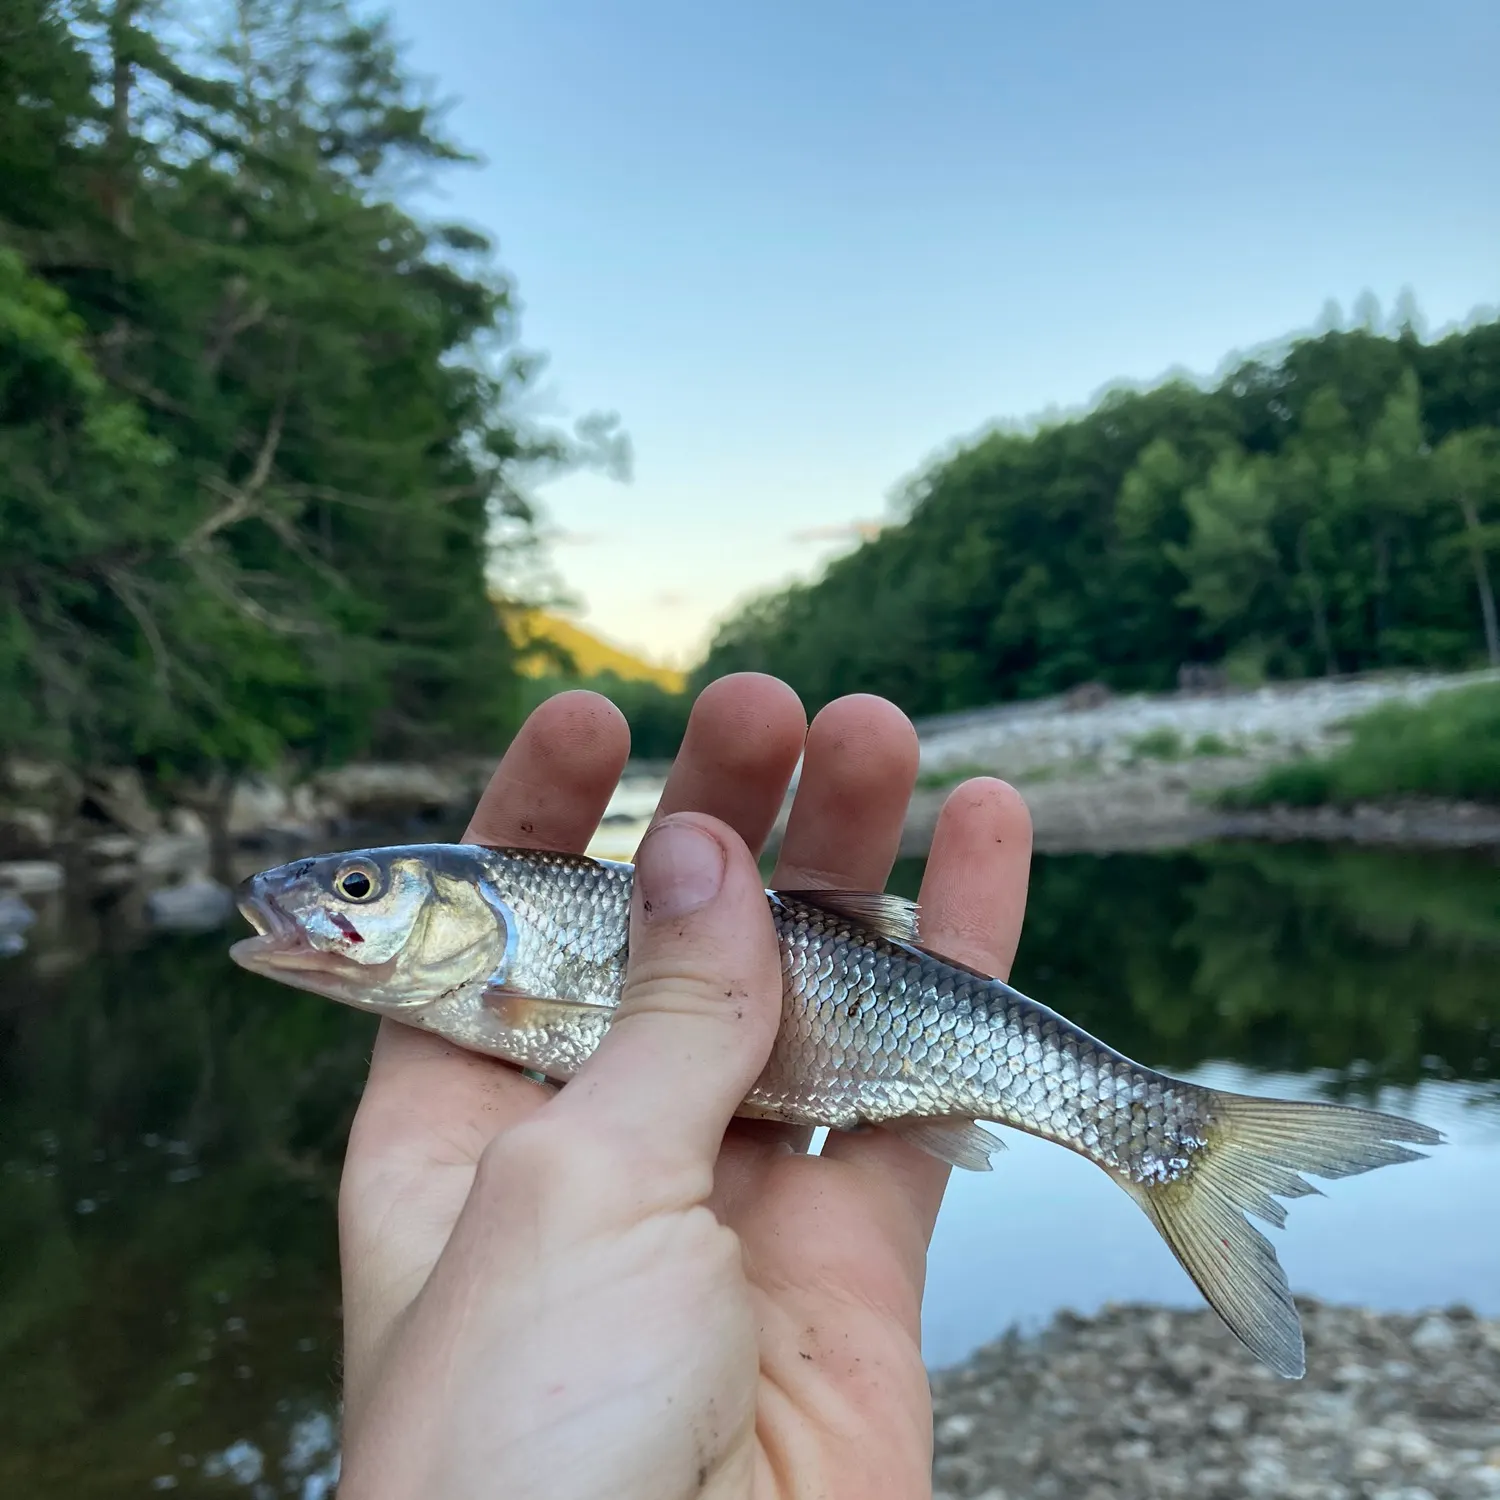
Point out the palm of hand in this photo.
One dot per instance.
(805, 1315)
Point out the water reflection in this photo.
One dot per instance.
(171, 1131)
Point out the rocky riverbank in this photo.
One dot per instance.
(1100, 772)
(1142, 1402)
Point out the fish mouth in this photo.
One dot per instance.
(280, 950)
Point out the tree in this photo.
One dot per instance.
(1468, 474)
(1280, 521)
(256, 442)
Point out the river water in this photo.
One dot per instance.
(171, 1130)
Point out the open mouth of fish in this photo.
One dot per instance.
(280, 944)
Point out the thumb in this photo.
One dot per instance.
(702, 997)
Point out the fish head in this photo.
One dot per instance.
(380, 929)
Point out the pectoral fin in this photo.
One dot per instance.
(544, 1035)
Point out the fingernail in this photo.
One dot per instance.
(680, 868)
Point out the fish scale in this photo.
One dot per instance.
(522, 954)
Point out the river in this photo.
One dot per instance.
(171, 1130)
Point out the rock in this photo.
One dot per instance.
(43, 785)
(26, 833)
(1142, 1404)
(112, 846)
(1265, 1475)
(1372, 1457)
(1434, 1335)
(173, 852)
(256, 805)
(32, 877)
(1229, 1420)
(1413, 1447)
(194, 906)
(15, 918)
(185, 823)
(120, 796)
(391, 791)
(956, 1430)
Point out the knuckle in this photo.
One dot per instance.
(675, 990)
(530, 1158)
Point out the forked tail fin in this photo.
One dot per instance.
(1255, 1150)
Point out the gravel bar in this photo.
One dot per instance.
(1141, 1401)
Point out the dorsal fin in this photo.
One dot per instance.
(892, 917)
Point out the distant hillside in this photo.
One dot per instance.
(1332, 508)
(591, 656)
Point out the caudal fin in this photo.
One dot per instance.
(1255, 1150)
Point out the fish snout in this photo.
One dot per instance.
(257, 903)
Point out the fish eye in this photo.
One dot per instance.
(355, 882)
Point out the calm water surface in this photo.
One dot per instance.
(171, 1130)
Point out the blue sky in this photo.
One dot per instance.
(801, 247)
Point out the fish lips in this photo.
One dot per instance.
(280, 950)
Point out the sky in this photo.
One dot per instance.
(802, 247)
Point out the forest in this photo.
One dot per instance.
(259, 468)
(1329, 507)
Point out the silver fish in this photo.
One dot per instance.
(521, 955)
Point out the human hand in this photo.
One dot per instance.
(566, 1294)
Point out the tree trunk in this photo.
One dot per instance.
(1481, 579)
(1317, 607)
(118, 187)
(1382, 590)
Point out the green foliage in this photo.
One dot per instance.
(255, 450)
(1164, 743)
(1335, 509)
(1211, 745)
(1448, 746)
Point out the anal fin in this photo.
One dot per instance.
(959, 1142)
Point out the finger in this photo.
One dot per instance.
(973, 899)
(554, 782)
(858, 769)
(741, 746)
(697, 1017)
(548, 792)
